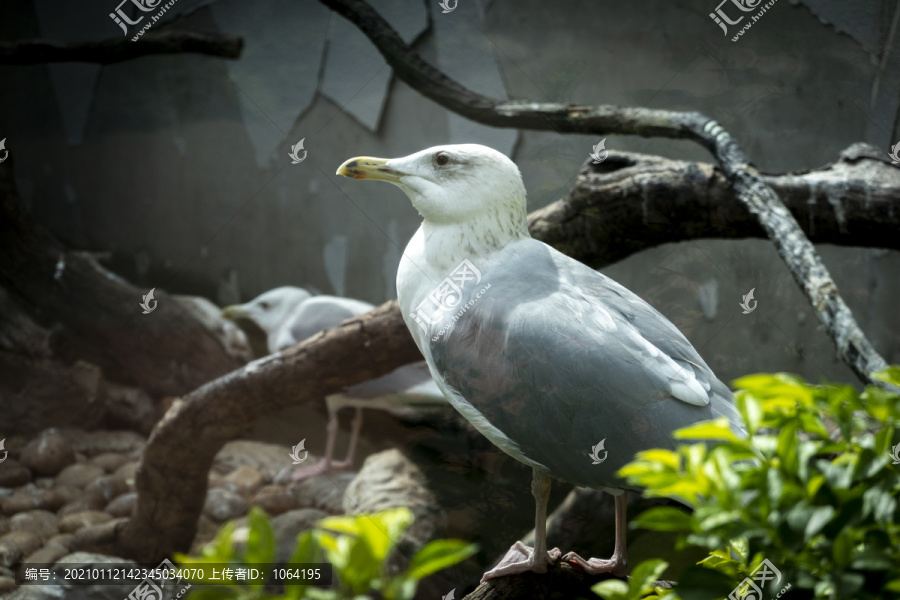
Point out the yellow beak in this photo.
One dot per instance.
(235, 311)
(366, 167)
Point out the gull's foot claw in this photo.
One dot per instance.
(521, 559)
(596, 566)
(320, 468)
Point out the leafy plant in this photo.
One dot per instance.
(357, 546)
(811, 489)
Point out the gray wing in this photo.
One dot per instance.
(318, 314)
(411, 384)
(558, 357)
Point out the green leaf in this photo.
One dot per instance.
(699, 583)
(438, 555)
(889, 375)
(261, 539)
(842, 549)
(611, 589)
(644, 577)
(750, 408)
(707, 430)
(665, 518)
(818, 518)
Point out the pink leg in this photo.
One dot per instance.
(618, 564)
(328, 464)
(520, 557)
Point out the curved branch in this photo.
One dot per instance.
(105, 52)
(632, 202)
(782, 229)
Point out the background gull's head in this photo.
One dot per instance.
(270, 309)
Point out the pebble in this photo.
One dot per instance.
(222, 504)
(103, 489)
(81, 504)
(61, 539)
(110, 461)
(40, 522)
(50, 553)
(94, 443)
(73, 522)
(274, 499)
(126, 472)
(7, 584)
(48, 453)
(287, 525)
(13, 473)
(16, 544)
(266, 458)
(37, 499)
(245, 480)
(324, 493)
(79, 475)
(122, 506)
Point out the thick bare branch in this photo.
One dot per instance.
(782, 229)
(105, 52)
(632, 202)
(94, 315)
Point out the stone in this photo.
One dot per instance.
(7, 584)
(79, 475)
(48, 453)
(16, 544)
(61, 539)
(40, 522)
(49, 554)
(222, 504)
(34, 498)
(266, 458)
(110, 461)
(94, 443)
(288, 525)
(325, 492)
(81, 504)
(127, 471)
(123, 505)
(274, 499)
(73, 522)
(389, 479)
(13, 473)
(103, 489)
(245, 480)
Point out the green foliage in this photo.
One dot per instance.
(357, 546)
(811, 488)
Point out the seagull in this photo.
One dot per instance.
(288, 315)
(540, 353)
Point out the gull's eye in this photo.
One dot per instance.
(441, 159)
(264, 305)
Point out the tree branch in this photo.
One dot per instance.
(33, 52)
(782, 229)
(632, 202)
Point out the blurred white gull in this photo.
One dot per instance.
(288, 315)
